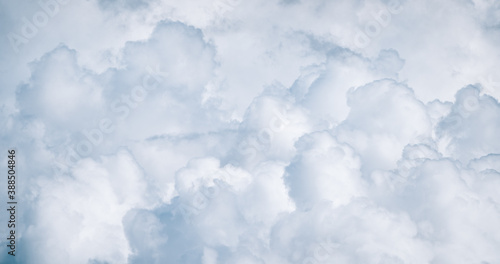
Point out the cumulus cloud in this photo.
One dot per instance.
(253, 132)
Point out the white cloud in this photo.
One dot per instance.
(255, 132)
(86, 211)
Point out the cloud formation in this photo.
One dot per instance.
(254, 132)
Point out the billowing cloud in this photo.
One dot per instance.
(276, 132)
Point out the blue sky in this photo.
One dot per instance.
(252, 132)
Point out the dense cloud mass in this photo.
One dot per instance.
(252, 132)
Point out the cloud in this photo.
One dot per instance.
(86, 211)
(385, 116)
(58, 91)
(324, 170)
(255, 132)
(470, 125)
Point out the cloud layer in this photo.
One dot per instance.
(253, 132)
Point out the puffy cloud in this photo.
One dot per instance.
(86, 211)
(254, 132)
(468, 131)
(384, 117)
(357, 232)
(58, 92)
(324, 170)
